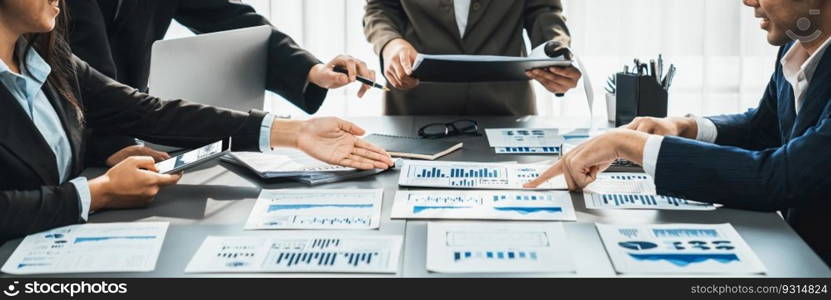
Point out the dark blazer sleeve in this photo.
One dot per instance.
(756, 129)
(288, 64)
(112, 107)
(25, 212)
(545, 22)
(790, 176)
(89, 41)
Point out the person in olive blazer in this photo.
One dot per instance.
(116, 36)
(399, 30)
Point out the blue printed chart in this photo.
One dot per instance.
(492, 247)
(295, 253)
(316, 209)
(678, 249)
(89, 248)
(527, 150)
(524, 137)
(633, 191)
(484, 205)
(474, 175)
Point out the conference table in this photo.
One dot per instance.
(215, 199)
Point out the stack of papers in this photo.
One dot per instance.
(89, 248)
(296, 165)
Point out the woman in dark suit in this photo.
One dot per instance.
(50, 99)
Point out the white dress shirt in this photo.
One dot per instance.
(798, 67)
(462, 9)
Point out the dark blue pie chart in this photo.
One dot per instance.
(635, 245)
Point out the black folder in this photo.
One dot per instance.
(479, 68)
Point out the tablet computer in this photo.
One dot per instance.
(194, 157)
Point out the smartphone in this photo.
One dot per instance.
(194, 157)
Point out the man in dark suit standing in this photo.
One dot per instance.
(401, 29)
(773, 157)
(116, 36)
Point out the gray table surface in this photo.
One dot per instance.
(216, 199)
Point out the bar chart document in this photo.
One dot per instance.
(633, 191)
(474, 175)
(88, 248)
(316, 209)
(293, 253)
(484, 205)
(498, 247)
(679, 249)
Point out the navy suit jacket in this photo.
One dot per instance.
(766, 159)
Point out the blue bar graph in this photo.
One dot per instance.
(629, 177)
(290, 259)
(433, 172)
(681, 232)
(325, 243)
(498, 255)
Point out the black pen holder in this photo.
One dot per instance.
(638, 95)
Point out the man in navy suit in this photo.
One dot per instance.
(773, 157)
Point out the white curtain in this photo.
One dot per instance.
(722, 56)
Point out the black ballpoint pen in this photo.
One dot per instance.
(362, 79)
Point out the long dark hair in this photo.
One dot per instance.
(54, 49)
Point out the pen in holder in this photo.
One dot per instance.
(638, 95)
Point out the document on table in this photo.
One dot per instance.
(484, 205)
(532, 140)
(633, 191)
(284, 163)
(524, 137)
(304, 253)
(88, 248)
(678, 248)
(316, 209)
(474, 175)
(498, 247)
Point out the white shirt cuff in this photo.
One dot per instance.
(650, 153)
(707, 131)
(82, 186)
(265, 133)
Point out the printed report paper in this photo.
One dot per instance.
(317, 209)
(304, 253)
(678, 248)
(87, 248)
(484, 205)
(498, 247)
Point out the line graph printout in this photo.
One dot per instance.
(633, 191)
(498, 247)
(290, 253)
(474, 175)
(678, 248)
(484, 205)
(87, 248)
(316, 209)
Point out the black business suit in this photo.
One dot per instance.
(32, 198)
(116, 39)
